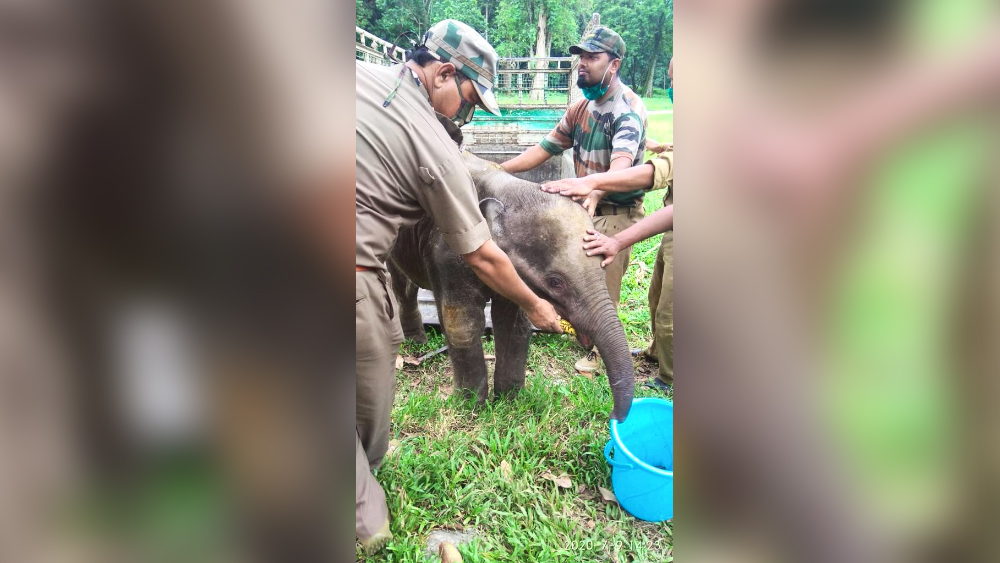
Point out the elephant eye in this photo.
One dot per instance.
(554, 282)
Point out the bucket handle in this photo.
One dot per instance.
(613, 463)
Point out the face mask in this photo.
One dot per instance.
(597, 90)
(465, 111)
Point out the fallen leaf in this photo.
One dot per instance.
(449, 553)
(563, 481)
(393, 446)
(399, 361)
(411, 361)
(586, 493)
(506, 470)
(607, 495)
(445, 392)
(590, 524)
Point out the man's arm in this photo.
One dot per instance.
(527, 160)
(591, 201)
(627, 180)
(658, 148)
(656, 173)
(595, 243)
(493, 266)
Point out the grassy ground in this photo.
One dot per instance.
(658, 103)
(449, 470)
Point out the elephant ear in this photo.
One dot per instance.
(492, 209)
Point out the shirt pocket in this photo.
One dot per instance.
(426, 175)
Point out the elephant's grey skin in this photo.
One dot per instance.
(543, 236)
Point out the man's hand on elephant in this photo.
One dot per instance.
(592, 200)
(596, 243)
(576, 188)
(543, 315)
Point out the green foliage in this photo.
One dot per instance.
(466, 11)
(512, 27)
(518, 20)
(638, 22)
(388, 18)
(397, 16)
(364, 14)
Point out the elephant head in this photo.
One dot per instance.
(542, 234)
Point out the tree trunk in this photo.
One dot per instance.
(647, 83)
(541, 50)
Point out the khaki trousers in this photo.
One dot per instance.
(611, 224)
(661, 309)
(377, 339)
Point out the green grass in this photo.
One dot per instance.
(660, 127)
(446, 472)
(658, 103)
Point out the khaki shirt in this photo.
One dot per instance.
(407, 167)
(663, 174)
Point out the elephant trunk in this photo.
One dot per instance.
(608, 335)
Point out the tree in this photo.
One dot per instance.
(540, 28)
(398, 16)
(534, 28)
(662, 32)
(389, 18)
(465, 11)
(647, 28)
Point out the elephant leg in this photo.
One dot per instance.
(463, 329)
(410, 319)
(511, 332)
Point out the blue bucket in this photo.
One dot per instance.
(642, 470)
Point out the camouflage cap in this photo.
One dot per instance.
(600, 39)
(462, 46)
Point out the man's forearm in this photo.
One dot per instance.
(493, 266)
(531, 158)
(661, 221)
(626, 180)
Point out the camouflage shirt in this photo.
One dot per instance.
(599, 131)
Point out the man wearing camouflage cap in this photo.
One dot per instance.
(607, 132)
(408, 165)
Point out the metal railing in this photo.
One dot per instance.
(372, 49)
(536, 82)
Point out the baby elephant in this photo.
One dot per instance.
(543, 236)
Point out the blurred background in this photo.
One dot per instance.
(173, 357)
(836, 279)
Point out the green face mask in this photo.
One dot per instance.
(597, 90)
(466, 109)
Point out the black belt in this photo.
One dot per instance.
(610, 209)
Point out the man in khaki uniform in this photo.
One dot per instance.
(606, 131)
(409, 165)
(661, 288)
(656, 173)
